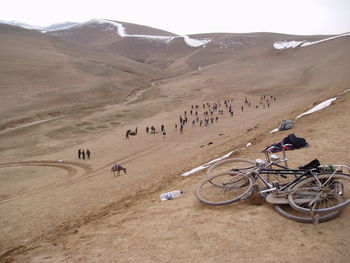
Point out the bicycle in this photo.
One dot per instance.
(313, 195)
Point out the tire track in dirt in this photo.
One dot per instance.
(74, 170)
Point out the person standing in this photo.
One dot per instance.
(88, 153)
(83, 154)
(79, 153)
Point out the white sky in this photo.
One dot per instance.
(303, 17)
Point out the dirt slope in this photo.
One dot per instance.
(93, 216)
(55, 207)
(42, 74)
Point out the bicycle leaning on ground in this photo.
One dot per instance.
(304, 195)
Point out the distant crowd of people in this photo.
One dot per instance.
(201, 115)
(208, 113)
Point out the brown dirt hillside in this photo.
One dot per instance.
(77, 211)
(55, 207)
(41, 74)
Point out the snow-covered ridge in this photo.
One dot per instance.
(56, 27)
(121, 31)
(43, 29)
(110, 25)
(19, 24)
(303, 43)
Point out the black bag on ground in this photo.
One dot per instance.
(297, 142)
(313, 164)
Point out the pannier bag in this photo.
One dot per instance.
(286, 125)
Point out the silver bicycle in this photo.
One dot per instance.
(303, 195)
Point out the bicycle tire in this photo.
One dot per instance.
(240, 164)
(228, 188)
(290, 213)
(330, 197)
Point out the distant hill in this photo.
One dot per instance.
(52, 27)
(101, 61)
(59, 26)
(41, 73)
(19, 24)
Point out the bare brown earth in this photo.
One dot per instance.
(76, 211)
(57, 208)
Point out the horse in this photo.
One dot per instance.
(131, 133)
(118, 168)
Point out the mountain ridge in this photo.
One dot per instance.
(101, 63)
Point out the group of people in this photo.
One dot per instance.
(208, 113)
(211, 112)
(264, 102)
(84, 154)
(152, 130)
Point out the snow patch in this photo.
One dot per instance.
(206, 165)
(274, 130)
(304, 43)
(120, 28)
(196, 42)
(318, 107)
(121, 31)
(345, 91)
(287, 44)
(323, 40)
(166, 39)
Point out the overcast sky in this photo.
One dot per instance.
(304, 17)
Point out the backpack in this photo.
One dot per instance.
(297, 142)
(286, 125)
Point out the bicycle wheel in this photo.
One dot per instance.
(233, 164)
(324, 193)
(288, 212)
(229, 187)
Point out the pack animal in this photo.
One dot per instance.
(132, 133)
(117, 168)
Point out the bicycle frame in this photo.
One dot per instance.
(266, 169)
(285, 159)
(300, 174)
